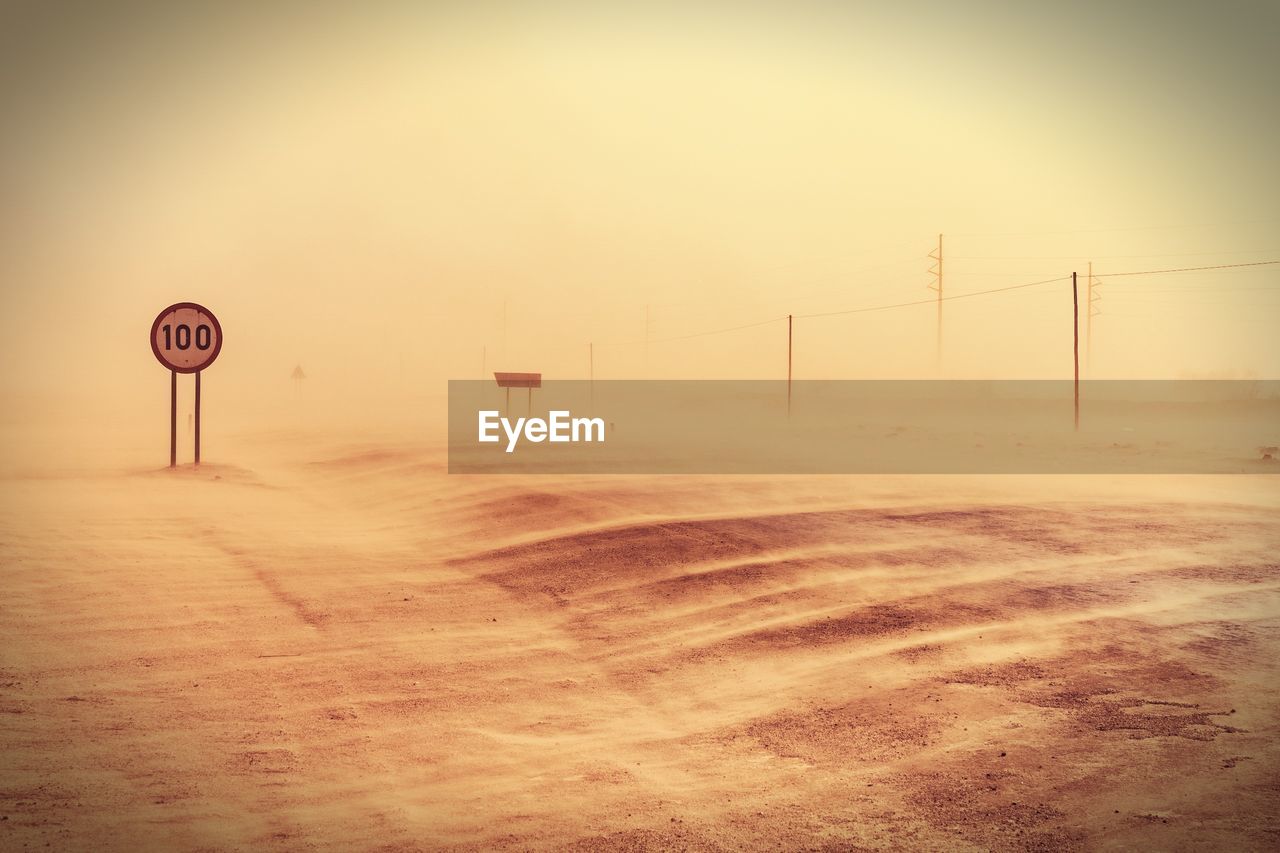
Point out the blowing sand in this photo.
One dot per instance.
(344, 647)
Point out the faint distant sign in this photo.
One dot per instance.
(298, 373)
(186, 337)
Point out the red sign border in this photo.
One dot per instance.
(155, 325)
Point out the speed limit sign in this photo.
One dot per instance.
(186, 338)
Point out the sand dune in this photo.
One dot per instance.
(342, 646)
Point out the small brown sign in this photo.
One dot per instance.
(518, 380)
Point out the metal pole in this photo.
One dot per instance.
(1088, 303)
(646, 341)
(789, 365)
(197, 418)
(939, 341)
(173, 418)
(1075, 340)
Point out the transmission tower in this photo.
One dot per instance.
(935, 270)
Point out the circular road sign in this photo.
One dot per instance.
(186, 337)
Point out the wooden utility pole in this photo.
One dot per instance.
(1088, 329)
(1075, 342)
(646, 342)
(939, 341)
(1093, 309)
(789, 323)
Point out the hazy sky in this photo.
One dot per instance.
(364, 191)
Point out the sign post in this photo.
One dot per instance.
(297, 376)
(173, 418)
(185, 338)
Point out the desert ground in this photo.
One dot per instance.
(333, 644)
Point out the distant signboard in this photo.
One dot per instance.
(518, 380)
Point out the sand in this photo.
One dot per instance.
(336, 645)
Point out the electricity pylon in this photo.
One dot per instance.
(936, 285)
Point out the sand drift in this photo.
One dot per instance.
(346, 648)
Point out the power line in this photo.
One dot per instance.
(1113, 230)
(1108, 257)
(1144, 290)
(934, 300)
(701, 334)
(1189, 269)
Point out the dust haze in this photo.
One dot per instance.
(320, 638)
